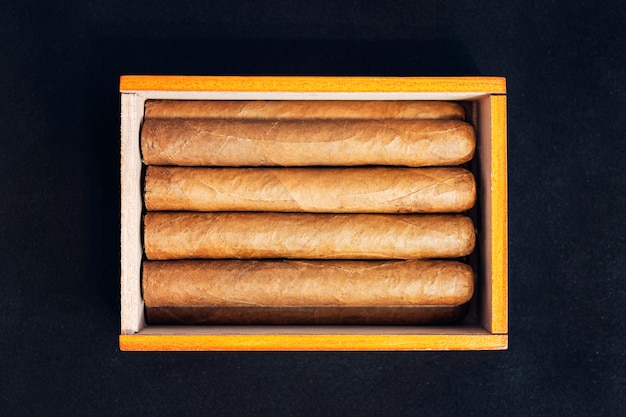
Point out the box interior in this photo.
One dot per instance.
(479, 318)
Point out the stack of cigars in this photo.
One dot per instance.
(307, 212)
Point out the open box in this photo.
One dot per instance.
(485, 328)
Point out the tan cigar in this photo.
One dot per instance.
(181, 235)
(300, 109)
(333, 190)
(418, 315)
(267, 283)
(216, 142)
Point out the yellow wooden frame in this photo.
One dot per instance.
(487, 95)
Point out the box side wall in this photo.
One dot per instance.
(311, 95)
(132, 311)
(296, 342)
(482, 85)
(492, 199)
(499, 215)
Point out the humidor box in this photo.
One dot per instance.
(484, 328)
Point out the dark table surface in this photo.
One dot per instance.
(59, 221)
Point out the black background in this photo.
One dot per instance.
(59, 200)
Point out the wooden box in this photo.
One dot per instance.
(485, 328)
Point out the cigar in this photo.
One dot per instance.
(248, 142)
(303, 109)
(297, 283)
(183, 235)
(332, 190)
(407, 316)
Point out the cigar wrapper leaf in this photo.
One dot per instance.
(185, 235)
(416, 315)
(301, 283)
(330, 190)
(229, 142)
(303, 109)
